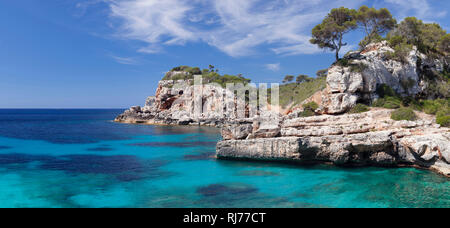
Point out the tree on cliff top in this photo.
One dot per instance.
(302, 78)
(412, 31)
(375, 23)
(288, 78)
(444, 44)
(432, 35)
(322, 73)
(329, 34)
(409, 30)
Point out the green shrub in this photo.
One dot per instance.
(388, 98)
(443, 112)
(444, 121)
(208, 76)
(308, 109)
(390, 55)
(322, 73)
(403, 114)
(446, 74)
(392, 102)
(438, 88)
(191, 70)
(373, 39)
(385, 90)
(359, 108)
(443, 115)
(395, 40)
(430, 107)
(412, 103)
(357, 68)
(311, 106)
(438, 107)
(388, 102)
(401, 52)
(378, 102)
(354, 67)
(306, 113)
(401, 49)
(406, 101)
(342, 62)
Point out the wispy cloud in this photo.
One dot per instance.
(124, 60)
(154, 22)
(83, 6)
(273, 66)
(236, 27)
(418, 8)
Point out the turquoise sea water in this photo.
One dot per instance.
(80, 158)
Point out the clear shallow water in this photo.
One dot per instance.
(79, 158)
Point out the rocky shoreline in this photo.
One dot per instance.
(331, 135)
(175, 104)
(367, 139)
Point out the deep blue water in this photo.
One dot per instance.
(80, 158)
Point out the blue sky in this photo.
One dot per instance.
(111, 53)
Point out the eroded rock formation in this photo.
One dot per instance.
(181, 103)
(370, 138)
(359, 77)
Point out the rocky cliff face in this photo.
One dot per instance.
(181, 103)
(370, 138)
(357, 79)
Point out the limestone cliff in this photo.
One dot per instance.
(359, 74)
(354, 79)
(179, 102)
(370, 138)
(333, 135)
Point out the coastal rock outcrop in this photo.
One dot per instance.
(180, 102)
(332, 135)
(370, 138)
(358, 75)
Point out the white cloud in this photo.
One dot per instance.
(418, 8)
(273, 66)
(236, 27)
(153, 22)
(124, 60)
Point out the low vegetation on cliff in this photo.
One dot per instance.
(391, 100)
(403, 114)
(210, 75)
(309, 109)
(359, 108)
(292, 94)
